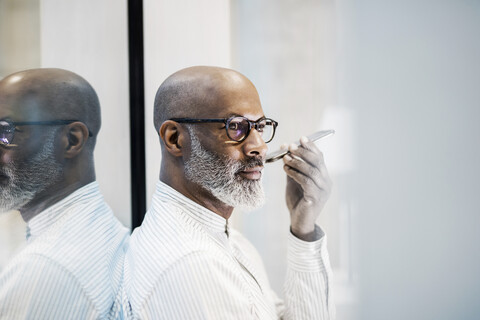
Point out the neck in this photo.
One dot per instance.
(197, 194)
(52, 195)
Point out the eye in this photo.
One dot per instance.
(237, 128)
(261, 126)
(233, 125)
(6, 132)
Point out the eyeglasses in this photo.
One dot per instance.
(8, 128)
(238, 128)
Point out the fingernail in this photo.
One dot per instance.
(304, 139)
(284, 146)
(287, 157)
(293, 146)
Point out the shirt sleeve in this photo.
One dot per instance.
(41, 289)
(307, 284)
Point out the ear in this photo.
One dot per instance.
(76, 136)
(172, 135)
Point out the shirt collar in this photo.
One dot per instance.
(48, 217)
(199, 214)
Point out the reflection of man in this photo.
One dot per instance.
(72, 265)
(185, 262)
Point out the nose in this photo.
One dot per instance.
(4, 158)
(254, 145)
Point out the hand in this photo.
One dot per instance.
(308, 187)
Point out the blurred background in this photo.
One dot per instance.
(399, 81)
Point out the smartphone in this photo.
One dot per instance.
(277, 155)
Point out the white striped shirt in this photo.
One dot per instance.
(184, 262)
(72, 265)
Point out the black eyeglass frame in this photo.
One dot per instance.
(226, 121)
(13, 124)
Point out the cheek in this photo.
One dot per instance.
(230, 149)
(235, 154)
(223, 147)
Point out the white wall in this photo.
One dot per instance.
(411, 71)
(19, 30)
(89, 37)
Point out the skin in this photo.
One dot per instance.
(51, 94)
(212, 92)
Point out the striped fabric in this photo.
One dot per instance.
(184, 262)
(72, 265)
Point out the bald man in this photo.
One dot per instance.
(185, 261)
(72, 265)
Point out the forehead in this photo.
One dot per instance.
(18, 104)
(233, 96)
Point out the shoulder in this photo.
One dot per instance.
(65, 265)
(84, 241)
(197, 283)
(37, 285)
(163, 239)
(153, 259)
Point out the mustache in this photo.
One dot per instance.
(252, 162)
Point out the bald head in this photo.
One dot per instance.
(198, 92)
(52, 94)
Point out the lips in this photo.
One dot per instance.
(254, 173)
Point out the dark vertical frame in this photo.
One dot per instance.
(137, 110)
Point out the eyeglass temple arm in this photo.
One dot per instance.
(48, 123)
(189, 120)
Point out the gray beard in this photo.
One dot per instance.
(218, 175)
(29, 177)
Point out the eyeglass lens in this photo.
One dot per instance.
(6, 133)
(238, 129)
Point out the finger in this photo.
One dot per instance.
(300, 165)
(311, 190)
(309, 145)
(307, 151)
(305, 169)
(313, 157)
(307, 183)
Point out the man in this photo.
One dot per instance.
(72, 265)
(185, 262)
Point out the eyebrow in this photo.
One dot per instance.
(241, 115)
